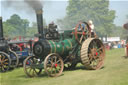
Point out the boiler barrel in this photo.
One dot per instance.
(44, 47)
(61, 47)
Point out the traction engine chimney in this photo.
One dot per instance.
(1, 29)
(40, 23)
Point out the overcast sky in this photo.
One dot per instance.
(55, 9)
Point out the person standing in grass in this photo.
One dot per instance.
(126, 49)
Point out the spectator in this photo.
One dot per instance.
(91, 25)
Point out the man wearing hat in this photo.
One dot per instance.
(91, 25)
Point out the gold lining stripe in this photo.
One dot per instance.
(62, 50)
(70, 43)
(54, 46)
(50, 46)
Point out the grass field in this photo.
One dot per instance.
(114, 72)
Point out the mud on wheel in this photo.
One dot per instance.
(29, 68)
(5, 62)
(92, 53)
(53, 65)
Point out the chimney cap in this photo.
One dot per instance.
(39, 11)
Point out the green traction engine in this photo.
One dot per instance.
(73, 46)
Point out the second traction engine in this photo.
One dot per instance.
(8, 58)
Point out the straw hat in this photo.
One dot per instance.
(90, 22)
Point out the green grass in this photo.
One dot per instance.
(114, 72)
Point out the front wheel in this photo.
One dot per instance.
(29, 68)
(14, 59)
(5, 62)
(53, 65)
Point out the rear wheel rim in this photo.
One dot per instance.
(92, 53)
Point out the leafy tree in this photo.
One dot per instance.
(19, 25)
(25, 26)
(84, 10)
(120, 31)
(31, 31)
(124, 31)
(8, 30)
(15, 26)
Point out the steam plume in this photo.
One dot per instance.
(26, 5)
(36, 5)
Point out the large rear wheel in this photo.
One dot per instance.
(92, 53)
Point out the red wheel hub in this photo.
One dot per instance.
(27, 63)
(96, 53)
(55, 65)
(83, 33)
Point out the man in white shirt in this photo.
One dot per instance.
(91, 25)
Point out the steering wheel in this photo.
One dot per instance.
(82, 32)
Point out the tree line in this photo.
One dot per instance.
(77, 10)
(96, 10)
(15, 26)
